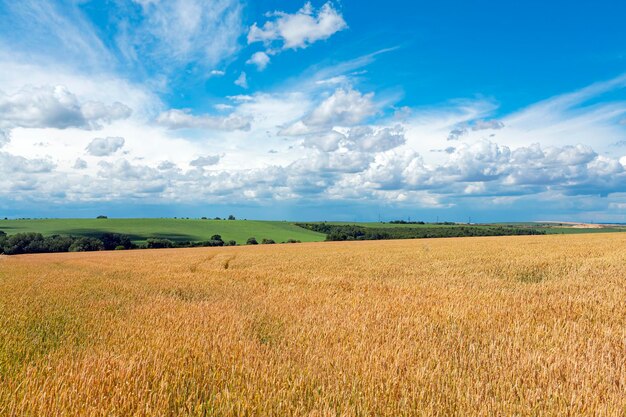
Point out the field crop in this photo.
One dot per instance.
(174, 229)
(494, 326)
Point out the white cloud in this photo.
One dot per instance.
(38, 28)
(242, 80)
(204, 161)
(477, 125)
(223, 107)
(368, 139)
(5, 137)
(295, 129)
(336, 80)
(487, 125)
(183, 119)
(260, 59)
(166, 165)
(343, 108)
(105, 146)
(487, 168)
(360, 138)
(80, 164)
(124, 170)
(582, 116)
(17, 164)
(177, 32)
(337, 144)
(56, 107)
(325, 141)
(300, 29)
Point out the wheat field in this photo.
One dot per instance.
(504, 326)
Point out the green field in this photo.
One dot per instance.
(546, 227)
(174, 229)
(239, 230)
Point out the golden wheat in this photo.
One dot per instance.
(506, 326)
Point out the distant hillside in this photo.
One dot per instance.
(178, 230)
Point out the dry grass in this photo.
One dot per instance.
(506, 326)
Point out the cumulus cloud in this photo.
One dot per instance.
(497, 170)
(300, 29)
(183, 119)
(204, 161)
(137, 180)
(345, 107)
(18, 164)
(320, 163)
(80, 164)
(260, 59)
(295, 129)
(360, 138)
(242, 80)
(456, 133)
(105, 146)
(55, 107)
(166, 165)
(329, 171)
(325, 141)
(368, 139)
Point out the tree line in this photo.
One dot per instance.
(354, 232)
(22, 243)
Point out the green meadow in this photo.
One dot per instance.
(174, 229)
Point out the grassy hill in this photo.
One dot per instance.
(175, 229)
(239, 230)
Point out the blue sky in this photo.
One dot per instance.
(314, 110)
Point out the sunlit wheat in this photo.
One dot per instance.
(506, 326)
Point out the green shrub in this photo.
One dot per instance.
(58, 243)
(24, 243)
(113, 240)
(86, 244)
(156, 243)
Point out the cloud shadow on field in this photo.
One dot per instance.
(97, 233)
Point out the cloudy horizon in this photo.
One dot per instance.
(311, 111)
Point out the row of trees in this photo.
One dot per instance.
(37, 243)
(22, 243)
(405, 222)
(159, 243)
(354, 232)
(230, 217)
